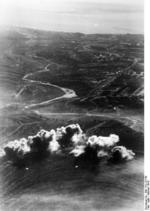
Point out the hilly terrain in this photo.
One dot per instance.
(53, 79)
(97, 67)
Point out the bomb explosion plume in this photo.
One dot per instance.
(69, 140)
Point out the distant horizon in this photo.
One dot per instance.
(9, 27)
(82, 16)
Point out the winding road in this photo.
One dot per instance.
(133, 121)
(68, 93)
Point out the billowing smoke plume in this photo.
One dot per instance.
(120, 153)
(68, 140)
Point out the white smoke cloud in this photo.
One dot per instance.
(102, 141)
(78, 150)
(79, 139)
(69, 139)
(17, 149)
(102, 153)
(2, 153)
(120, 153)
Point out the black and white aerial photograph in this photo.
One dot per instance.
(71, 105)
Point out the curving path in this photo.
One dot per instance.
(68, 93)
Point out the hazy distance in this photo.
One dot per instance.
(87, 16)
